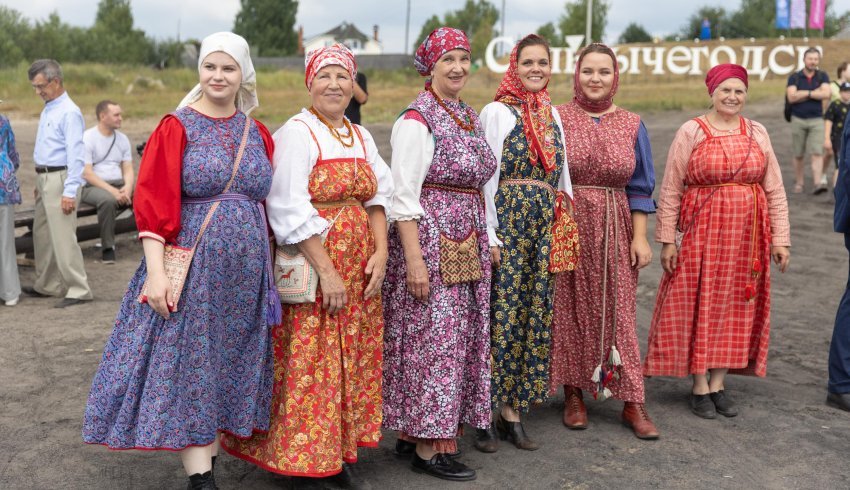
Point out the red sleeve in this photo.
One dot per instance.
(267, 140)
(156, 200)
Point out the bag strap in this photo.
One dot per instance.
(114, 135)
(236, 164)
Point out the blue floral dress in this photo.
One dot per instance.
(169, 384)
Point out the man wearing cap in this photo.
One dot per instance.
(833, 124)
(806, 91)
(58, 156)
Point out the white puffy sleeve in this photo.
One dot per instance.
(413, 150)
(291, 214)
(382, 172)
(497, 121)
(564, 184)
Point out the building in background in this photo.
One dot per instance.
(347, 34)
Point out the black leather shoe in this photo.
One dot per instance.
(202, 481)
(723, 404)
(443, 467)
(30, 291)
(515, 433)
(404, 448)
(66, 302)
(487, 440)
(702, 406)
(839, 400)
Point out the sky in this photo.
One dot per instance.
(195, 19)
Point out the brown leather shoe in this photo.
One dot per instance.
(575, 413)
(635, 416)
(487, 440)
(514, 432)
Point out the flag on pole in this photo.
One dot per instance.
(798, 14)
(816, 14)
(783, 15)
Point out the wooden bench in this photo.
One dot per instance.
(91, 231)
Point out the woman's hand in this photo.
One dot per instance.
(641, 252)
(417, 279)
(159, 294)
(781, 256)
(495, 256)
(334, 296)
(669, 256)
(376, 269)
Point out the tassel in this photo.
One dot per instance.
(756, 266)
(608, 377)
(596, 374)
(274, 312)
(749, 292)
(614, 358)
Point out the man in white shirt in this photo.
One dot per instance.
(108, 172)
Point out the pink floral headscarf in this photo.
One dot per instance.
(337, 54)
(439, 42)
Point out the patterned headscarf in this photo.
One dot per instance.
(536, 112)
(236, 47)
(337, 54)
(579, 97)
(721, 73)
(439, 42)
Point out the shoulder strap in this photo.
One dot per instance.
(704, 127)
(313, 135)
(360, 137)
(114, 135)
(236, 164)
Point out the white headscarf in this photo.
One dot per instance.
(235, 46)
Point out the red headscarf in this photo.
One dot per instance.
(439, 42)
(337, 54)
(720, 73)
(536, 112)
(579, 97)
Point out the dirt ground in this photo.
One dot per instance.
(784, 437)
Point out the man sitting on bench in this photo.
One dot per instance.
(108, 173)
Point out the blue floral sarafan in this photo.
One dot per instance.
(10, 191)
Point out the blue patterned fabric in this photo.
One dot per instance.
(10, 191)
(169, 384)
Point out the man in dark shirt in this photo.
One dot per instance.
(806, 91)
(352, 112)
(833, 126)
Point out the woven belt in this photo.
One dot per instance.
(47, 170)
(534, 182)
(452, 188)
(600, 188)
(335, 204)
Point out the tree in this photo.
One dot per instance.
(574, 20)
(717, 16)
(268, 26)
(113, 39)
(14, 29)
(634, 33)
(548, 32)
(476, 19)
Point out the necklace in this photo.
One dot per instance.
(466, 126)
(335, 132)
(732, 130)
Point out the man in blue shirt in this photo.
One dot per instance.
(58, 156)
(806, 91)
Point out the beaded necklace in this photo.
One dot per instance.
(335, 132)
(466, 126)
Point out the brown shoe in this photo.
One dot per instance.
(635, 416)
(514, 432)
(575, 413)
(487, 440)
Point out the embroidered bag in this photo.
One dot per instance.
(177, 260)
(564, 251)
(459, 260)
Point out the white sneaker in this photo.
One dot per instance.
(824, 180)
(12, 302)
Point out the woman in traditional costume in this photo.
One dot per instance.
(328, 196)
(723, 201)
(525, 135)
(594, 339)
(178, 370)
(437, 293)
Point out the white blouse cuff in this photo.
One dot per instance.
(316, 225)
(492, 238)
(378, 200)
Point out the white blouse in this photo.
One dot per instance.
(498, 121)
(291, 214)
(413, 151)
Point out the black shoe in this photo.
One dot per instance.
(66, 302)
(702, 406)
(820, 189)
(108, 256)
(515, 433)
(205, 481)
(839, 400)
(404, 448)
(487, 440)
(444, 467)
(29, 291)
(723, 404)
